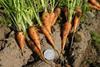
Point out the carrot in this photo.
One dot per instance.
(66, 31)
(52, 16)
(77, 19)
(34, 36)
(20, 39)
(45, 16)
(49, 38)
(95, 3)
(46, 21)
(56, 14)
(94, 7)
(76, 23)
(49, 19)
(38, 51)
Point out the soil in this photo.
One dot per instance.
(83, 53)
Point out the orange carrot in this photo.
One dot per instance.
(77, 19)
(38, 51)
(49, 38)
(54, 15)
(46, 21)
(66, 31)
(34, 36)
(49, 19)
(20, 39)
(95, 3)
(76, 23)
(57, 13)
(45, 16)
(94, 7)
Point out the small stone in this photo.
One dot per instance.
(77, 37)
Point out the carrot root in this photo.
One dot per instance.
(34, 36)
(52, 17)
(20, 39)
(47, 35)
(57, 13)
(46, 21)
(67, 28)
(49, 38)
(76, 23)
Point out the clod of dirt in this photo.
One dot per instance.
(3, 32)
(77, 37)
(79, 48)
(84, 54)
(10, 55)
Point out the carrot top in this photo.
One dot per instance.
(13, 9)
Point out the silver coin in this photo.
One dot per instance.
(49, 54)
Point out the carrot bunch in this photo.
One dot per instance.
(48, 20)
(24, 16)
(33, 39)
(20, 14)
(49, 17)
(67, 26)
(72, 9)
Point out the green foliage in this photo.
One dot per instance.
(21, 12)
(12, 9)
(85, 6)
(95, 37)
